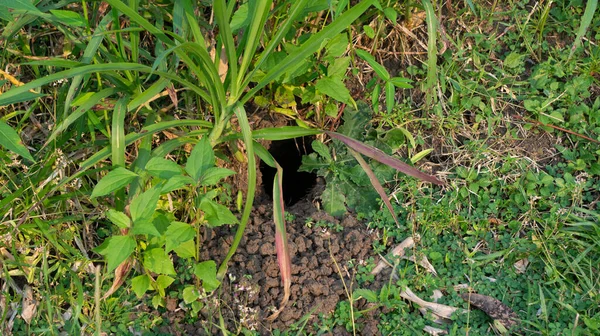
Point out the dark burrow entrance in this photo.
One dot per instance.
(288, 153)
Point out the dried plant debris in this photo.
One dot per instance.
(501, 313)
(434, 331)
(437, 309)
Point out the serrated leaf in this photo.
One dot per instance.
(113, 181)
(116, 249)
(162, 168)
(335, 89)
(201, 158)
(333, 202)
(186, 249)
(157, 261)
(68, 18)
(322, 150)
(378, 68)
(217, 214)
(213, 175)
(176, 182)
(142, 206)
(140, 284)
(207, 272)
(366, 294)
(178, 233)
(240, 18)
(10, 139)
(190, 294)
(118, 218)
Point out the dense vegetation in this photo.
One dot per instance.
(122, 124)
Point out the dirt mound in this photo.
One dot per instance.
(317, 242)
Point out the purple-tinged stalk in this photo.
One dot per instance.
(281, 245)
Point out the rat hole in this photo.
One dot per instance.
(288, 153)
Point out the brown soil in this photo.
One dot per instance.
(252, 290)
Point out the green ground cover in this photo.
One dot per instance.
(499, 100)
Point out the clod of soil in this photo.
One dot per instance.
(253, 288)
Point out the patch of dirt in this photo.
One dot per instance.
(252, 290)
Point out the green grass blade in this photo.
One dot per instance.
(283, 133)
(261, 9)
(431, 53)
(312, 45)
(222, 17)
(247, 134)
(92, 100)
(296, 9)
(192, 21)
(117, 139)
(145, 96)
(586, 20)
(15, 94)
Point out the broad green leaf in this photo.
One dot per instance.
(367, 294)
(400, 82)
(335, 89)
(162, 282)
(142, 206)
(338, 69)
(162, 168)
(213, 175)
(176, 182)
(11, 141)
(68, 18)
(333, 201)
(114, 180)
(378, 68)
(186, 249)
(157, 261)
(240, 18)
(369, 31)
(514, 60)
(145, 227)
(116, 249)
(190, 294)
(202, 158)
(140, 284)
(336, 47)
(118, 218)
(322, 150)
(207, 272)
(178, 233)
(217, 214)
(391, 14)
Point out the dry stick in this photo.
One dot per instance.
(345, 288)
(557, 128)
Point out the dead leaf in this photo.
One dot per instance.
(29, 305)
(398, 251)
(172, 94)
(120, 276)
(434, 331)
(438, 309)
(521, 265)
(423, 262)
(493, 308)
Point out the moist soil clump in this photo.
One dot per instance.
(252, 290)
